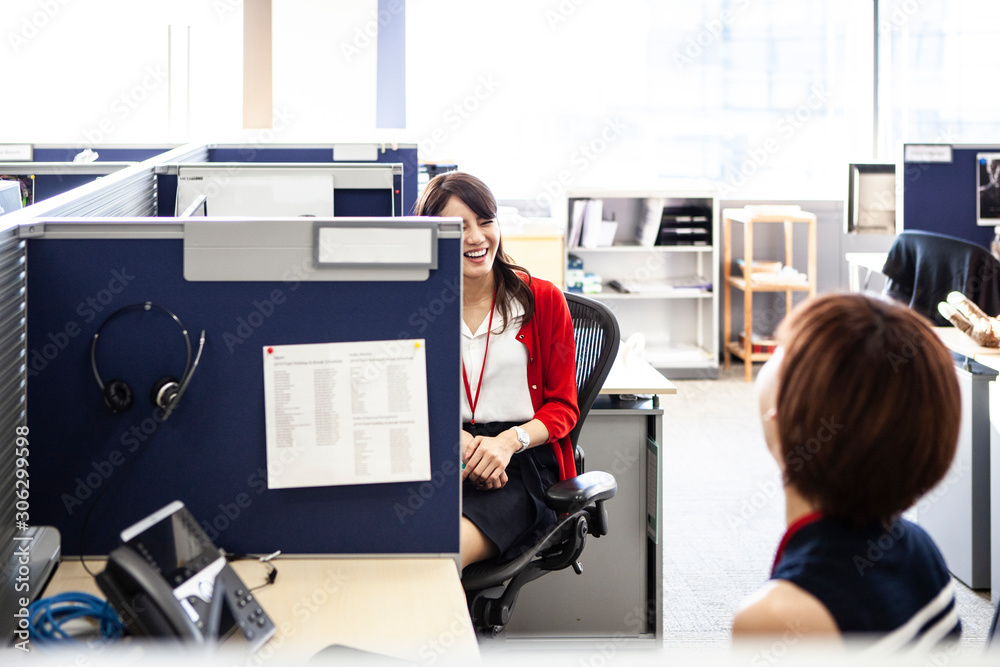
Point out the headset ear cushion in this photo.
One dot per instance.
(164, 391)
(118, 396)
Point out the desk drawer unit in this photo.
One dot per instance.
(619, 594)
(956, 513)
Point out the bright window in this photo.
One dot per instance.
(938, 65)
(767, 99)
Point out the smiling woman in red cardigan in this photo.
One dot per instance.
(519, 377)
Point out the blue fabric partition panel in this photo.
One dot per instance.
(941, 196)
(50, 185)
(348, 202)
(210, 453)
(104, 154)
(405, 156)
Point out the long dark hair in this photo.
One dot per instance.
(474, 193)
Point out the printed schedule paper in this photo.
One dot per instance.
(346, 413)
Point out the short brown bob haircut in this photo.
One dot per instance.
(480, 200)
(868, 406)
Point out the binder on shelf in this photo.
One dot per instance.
(649, 224)
(590, 235)
(685, 225)
(576, 222)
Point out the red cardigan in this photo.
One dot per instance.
(548, 335)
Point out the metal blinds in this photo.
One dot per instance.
(132, 195)
(13, 375)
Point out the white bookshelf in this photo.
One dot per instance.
(669, 301)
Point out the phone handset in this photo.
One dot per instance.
(143, 598)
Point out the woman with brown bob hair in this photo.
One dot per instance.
(519, 376)
(860, 408)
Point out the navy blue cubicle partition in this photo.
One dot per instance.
(940, 196)
(50, 185)
(405, 155)
(349, 202)
(49, 182)
(48, 179)
(211, 452)
(104, 153)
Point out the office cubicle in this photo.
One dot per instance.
(404, 155)
(945, 187)
(211, 451)
(102, 247)
(941, 190)
(284, 190)
(247, 179)
(101, 153)
(49, 170)
(366, 179)
(151, 188)
(42, 180)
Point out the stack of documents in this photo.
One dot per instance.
(787, 276)
(690, 283)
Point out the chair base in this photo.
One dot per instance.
(490, 604)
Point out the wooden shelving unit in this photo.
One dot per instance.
(748, 217)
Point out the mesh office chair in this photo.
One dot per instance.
(491, 588)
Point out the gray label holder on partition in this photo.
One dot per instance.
(352, 244)
(218, 249)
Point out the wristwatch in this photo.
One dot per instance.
(522, 437)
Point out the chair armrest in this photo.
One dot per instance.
(577, 492)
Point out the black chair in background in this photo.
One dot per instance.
(491, 588)
(923, 267)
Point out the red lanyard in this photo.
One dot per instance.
(465, 376)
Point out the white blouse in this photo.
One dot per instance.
(504, 393)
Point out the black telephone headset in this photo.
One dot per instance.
(167, 390)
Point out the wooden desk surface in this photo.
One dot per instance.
(956, 341)
(873, 261)
(408, 608)
(768, 214)
(635, 376)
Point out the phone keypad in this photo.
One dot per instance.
(256, 626)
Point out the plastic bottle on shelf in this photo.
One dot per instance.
(574, 274)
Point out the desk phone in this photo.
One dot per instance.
(168, 579)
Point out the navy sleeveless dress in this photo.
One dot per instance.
(885, 580)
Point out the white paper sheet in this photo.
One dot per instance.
(346, 413)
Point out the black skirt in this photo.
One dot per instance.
(514, 517)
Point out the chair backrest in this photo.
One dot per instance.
(597, 337)
(923, 267)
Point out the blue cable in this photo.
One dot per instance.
(47, 615)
